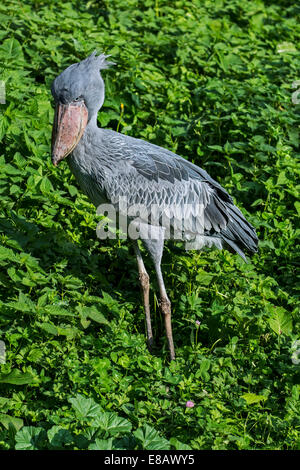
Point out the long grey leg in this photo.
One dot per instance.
(165, 306)
(145, 287)
(155, 247)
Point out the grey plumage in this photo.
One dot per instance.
(109, 166)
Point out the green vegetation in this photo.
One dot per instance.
(211, 80)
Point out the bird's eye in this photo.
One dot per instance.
(79, 98)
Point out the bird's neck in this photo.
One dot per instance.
(95, 104)
(92, 124)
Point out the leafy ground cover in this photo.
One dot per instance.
(213, 81)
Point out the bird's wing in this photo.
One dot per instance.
(148, 175)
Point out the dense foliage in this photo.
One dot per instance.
(213, 81)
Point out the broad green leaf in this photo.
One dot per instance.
(85, 408)
(97, 317)
(48, 327)
(24, 304)
(102, 444)
(59, 437)
(35, 355)
(30, 438)
(282, 179)
(281, 322)
(70, 332)
(204, 278)
(59, 311)
(6, 420)
(46, 185)
(93, 314)
(11, 50)
(179, 445)
(203, 369)
(150, 439)
(7, 254)
(112, 424)
(251, 398)
(16, 377)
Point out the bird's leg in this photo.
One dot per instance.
(145, 287)
(155, 246)
(165, 306)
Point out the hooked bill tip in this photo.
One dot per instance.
(55, 161)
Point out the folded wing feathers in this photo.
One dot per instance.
(181, 190)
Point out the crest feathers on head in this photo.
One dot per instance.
(98, 62)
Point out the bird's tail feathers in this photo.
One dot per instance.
(239, 234)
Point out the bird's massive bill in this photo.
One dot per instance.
(70, 120)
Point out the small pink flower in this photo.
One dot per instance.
(198, 322)
(190, 404)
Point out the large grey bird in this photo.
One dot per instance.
(175, 198)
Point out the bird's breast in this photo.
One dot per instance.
(89, 179)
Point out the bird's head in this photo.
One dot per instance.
(79, 94)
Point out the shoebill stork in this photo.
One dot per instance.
(110, 166)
